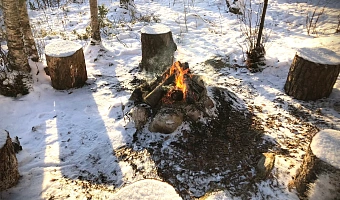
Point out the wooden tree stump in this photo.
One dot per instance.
(66, 64)
(312, 74)
(158, 48)
(319, 173)
(9, 174)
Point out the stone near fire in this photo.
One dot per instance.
(140, 115)
(192, 112)
(208, 103)
(166, 121)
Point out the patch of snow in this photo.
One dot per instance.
(326, 146)
(61, 48)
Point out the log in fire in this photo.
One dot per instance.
(176, 89)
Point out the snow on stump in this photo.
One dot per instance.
(147, 189)
(9, 174)
(312, 74)
(66, 64)
(319, 174)
(158, 48)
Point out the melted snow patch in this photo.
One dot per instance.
(148, 189)
(155, 29)
(61, 48)
(326, 146)
(320, 55)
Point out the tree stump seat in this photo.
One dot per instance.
(319, 175)
(158, 48)
(312, 74)
(66, 64)
(9, 174)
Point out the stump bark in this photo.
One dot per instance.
(312, 74)
(321, 160)
(66, 64)
(158, 48)
(9, 174)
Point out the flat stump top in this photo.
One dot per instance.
(61, 48)
(326, 146)
(152, 189)
(320, 56)
(155, 29)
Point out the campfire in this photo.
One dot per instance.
(173, 96)
(179, 92)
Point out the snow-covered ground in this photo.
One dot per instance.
(70, 138)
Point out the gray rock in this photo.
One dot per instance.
(166, 121)
(208, 103)
(265, 165)
(139, 115)
(192, 112)
(336, 106)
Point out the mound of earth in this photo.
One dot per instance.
(213, 153)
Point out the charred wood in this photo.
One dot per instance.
(177, 95)
(154, 97)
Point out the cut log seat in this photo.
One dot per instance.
(312, 74)
(66, 64)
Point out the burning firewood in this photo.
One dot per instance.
(156, 95)
(176, 84)
(177, 95)
(139, 94)
(176, 89)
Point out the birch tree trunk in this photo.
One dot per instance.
(16, 55)
(30, 46)
(19, 80)
(95, 34)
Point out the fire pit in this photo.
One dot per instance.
(175, 95)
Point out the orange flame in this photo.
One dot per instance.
(179, 77)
